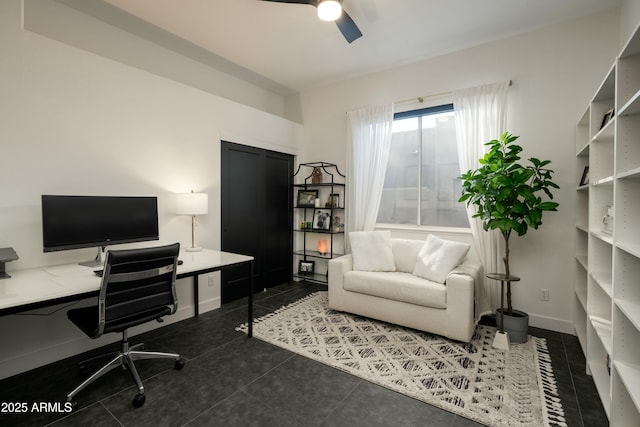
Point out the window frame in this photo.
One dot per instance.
(436, 107)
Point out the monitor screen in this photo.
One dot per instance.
(72, 222)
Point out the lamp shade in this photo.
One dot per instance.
(192, 203)
(329, 10)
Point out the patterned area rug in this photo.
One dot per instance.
(492, 387)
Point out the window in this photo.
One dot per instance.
(421, 184)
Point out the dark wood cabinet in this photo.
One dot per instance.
(256, 216)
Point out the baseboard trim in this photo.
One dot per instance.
(552, 324)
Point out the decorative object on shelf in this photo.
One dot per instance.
(316, 176)
(337, 225)
(607, 118)
(322, 219)
(6, 255)
(192, 204)
(306, 267)
(607, 220)
(317, 203)
(323, 247)
(505, 195)
(585, 176)
(307, 198)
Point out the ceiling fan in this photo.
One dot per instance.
(331, 10)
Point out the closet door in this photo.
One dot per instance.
(256, 209)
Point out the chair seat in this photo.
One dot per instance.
(86, 319)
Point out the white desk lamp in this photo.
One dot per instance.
(192, 204)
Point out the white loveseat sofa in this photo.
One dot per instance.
(402, 297)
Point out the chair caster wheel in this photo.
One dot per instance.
(74, 405)
(138, 401)
(180, 364)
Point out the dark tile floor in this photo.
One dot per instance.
(230, 380)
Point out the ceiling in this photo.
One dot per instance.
(286, 47)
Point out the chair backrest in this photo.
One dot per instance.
(138, 285)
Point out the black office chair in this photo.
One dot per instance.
(138, 286)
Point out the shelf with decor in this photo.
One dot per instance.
(318, 220)
(608, 154)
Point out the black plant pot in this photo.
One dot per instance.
(517, 325)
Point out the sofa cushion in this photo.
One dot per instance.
(438, 257)
(371, 251)
(405, 253)
(398, 286)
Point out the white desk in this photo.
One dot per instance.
(43, 287)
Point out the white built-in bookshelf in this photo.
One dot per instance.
(607, 238)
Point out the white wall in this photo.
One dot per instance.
(72, 122)
(555, 72)
(630, 19)
(149, 48)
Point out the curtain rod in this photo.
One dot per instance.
(421, 99)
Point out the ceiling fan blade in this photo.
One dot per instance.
(347, 27)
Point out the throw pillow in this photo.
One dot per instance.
(371, 251)
(438, 257)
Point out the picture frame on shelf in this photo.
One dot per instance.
(336, 225)
(585, 176)
(607, 118)
(306, 198)
(322, 219)
(306, 267)
(333, 201)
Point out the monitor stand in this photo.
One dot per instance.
(6, 255)
(98, 261)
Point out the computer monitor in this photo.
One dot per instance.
(73, 222)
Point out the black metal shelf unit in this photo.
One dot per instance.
(326, 182)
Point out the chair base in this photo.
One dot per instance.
(124, 359)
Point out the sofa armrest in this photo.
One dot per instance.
(461, 290)
(469, 267)
(337, 269)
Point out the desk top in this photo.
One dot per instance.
(62, 281)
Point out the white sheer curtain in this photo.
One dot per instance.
(368, 144)
(481, 115)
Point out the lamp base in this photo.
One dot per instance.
(501, 341)
(196, 249)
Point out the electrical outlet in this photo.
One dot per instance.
(544, 294)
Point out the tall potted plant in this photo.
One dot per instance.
(508, 195)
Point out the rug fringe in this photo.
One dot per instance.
(551, 406)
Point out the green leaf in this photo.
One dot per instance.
(548, 206)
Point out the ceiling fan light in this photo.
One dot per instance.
(329, 10)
